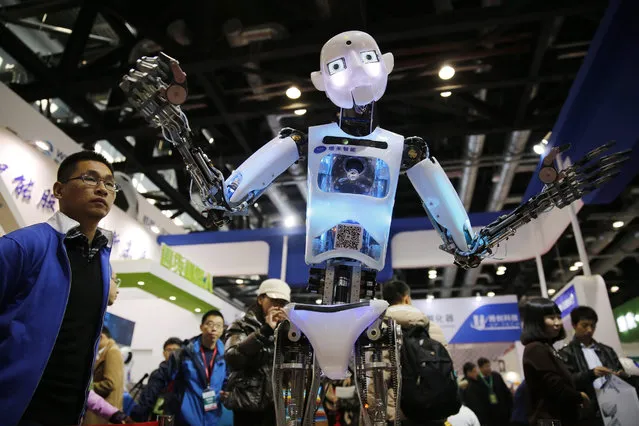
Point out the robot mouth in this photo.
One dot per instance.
(363, 95)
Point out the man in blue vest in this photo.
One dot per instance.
(196, 373)
(54, 287)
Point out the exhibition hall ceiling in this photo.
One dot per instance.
(514, 62)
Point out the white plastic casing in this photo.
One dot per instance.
(261, 168)
(441, 199)
(333, 334)
(326, 210)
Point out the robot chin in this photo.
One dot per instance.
(363, 95)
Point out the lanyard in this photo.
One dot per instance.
(488, 382)
(208, 368)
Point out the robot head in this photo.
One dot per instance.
(352, 70)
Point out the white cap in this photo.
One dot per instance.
(275, 289)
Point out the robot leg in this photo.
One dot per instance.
(296, 377)
(378, 371)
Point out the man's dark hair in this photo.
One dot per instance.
(172, 341)
(68, 165)
(583, 313)
(468, 367)
(106, 332)
(211, 313)
(534, 327)
(482, 361)
(394, 291)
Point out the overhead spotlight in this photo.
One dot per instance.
(290, 221)
(44, 146)
(551, 291)
(579, 264)
(172, 297)
(299, 111)
(546, 138)
(478, 296)
(501, 268)
(539, 149)
(208, 136)
(490, 294)
(430, 297)
(446, 72)
(318, 301)
(293, 92)
(445, 94)
(574, 268)
(239, 281)
(198, 310)
(140, 282)
(155, 229)
(618, 224)
(500, 272)
(614, 289)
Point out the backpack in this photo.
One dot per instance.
(429, 385)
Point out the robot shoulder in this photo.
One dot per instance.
(415, 150)
(300, 139)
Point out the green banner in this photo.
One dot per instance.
(627, 319)
(186, 269)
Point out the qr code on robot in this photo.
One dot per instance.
(349, 237)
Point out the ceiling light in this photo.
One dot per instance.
(198, 310)
(290, 221)
(155, 229)
(293, 92)
(446, 72)
(430, 297)
(178, 221)
(44, 146)
(539, 149)
(500, 272)
(574, 268)
(172, 297)
(501, 268)
(318, 301)
(140, 282)
(614, 289)
(239, 281)
(490, 294)
(579, 264)
(299, 111)
(445, 94)
(478, 296)
(551, 291)
(618, 224)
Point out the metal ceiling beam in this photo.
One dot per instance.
(27, 9)
(78, 40)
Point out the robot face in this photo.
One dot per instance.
(353, 70)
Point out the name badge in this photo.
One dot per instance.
(493, 398)
(210, 402)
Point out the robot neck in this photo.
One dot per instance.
(359, 120)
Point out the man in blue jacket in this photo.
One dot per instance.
(196, 373)
(54, 286)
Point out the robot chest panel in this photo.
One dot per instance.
(341, 164)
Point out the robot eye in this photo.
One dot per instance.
(369, 56)
(336, 66)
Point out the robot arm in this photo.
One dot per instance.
(156, 87)
(446, 211)
(441, 202)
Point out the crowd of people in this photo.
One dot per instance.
(60, 366)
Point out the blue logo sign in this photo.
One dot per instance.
(567, 301)
(490, 323)
(319, 149)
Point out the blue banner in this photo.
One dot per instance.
(490, 323)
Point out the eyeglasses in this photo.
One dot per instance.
(214, 326)
(94, 182)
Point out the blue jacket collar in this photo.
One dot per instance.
(63, 224)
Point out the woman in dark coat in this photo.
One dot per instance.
(552, 393)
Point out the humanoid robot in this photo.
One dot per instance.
(353, 170)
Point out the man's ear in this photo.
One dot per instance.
(57, 190)
(318, 80)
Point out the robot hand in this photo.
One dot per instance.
(156, 88)
(562, 188)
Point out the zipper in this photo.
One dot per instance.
(95, 346)
(68, 264)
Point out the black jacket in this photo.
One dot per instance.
(249, 355)
(477, 398)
